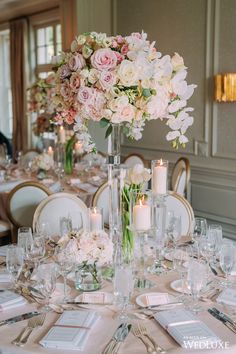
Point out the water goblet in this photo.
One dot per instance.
(36, 249)
(197, 279)
(123, 287)
(181, 258)
(46, 282)
(216, 232)
(14, 261)
(207, 249)
(227, 261)
(174, 229)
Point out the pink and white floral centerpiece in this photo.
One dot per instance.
(121, 80)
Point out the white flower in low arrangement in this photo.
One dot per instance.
(43, 162)
(86, 248)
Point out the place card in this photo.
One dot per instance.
(71, 331)
(157, 299)
(98, 297)
(9, 300)
(184, 327)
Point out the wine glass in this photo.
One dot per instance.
(227, 261)
(174, 228)
(65, 225)
(36, 250)
(199, 230)
(181, 258)
(207, 248)
(65, 267)
(14, 261)
(216, 232)
(24, 238)
(46, 276)
(123, 287)
(197, 279)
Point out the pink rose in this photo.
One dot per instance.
(124, 49)
(114, 44)
(136, 34)
(85, 95)
(64, 71)
(76, 62)
(65, 90)
(119, 57)
(119, 39)
(104, 59)
(127, 113)
(75, 82)
(98, 99)
(107, 79)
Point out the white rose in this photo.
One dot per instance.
(118, 103)
(127, 73)
(93, 76)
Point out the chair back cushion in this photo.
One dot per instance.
(60, 205)
(23, 201)
(132, 160)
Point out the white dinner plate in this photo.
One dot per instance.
(108, 299)
(177, 286)
(141, 299)
(181, 207)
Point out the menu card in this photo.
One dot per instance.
(184, 327)
(10, 300)
(156, 299)
(71, 331)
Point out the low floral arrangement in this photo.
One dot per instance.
(125, 80)
(42, 162)
(86, 248)
(137, 177)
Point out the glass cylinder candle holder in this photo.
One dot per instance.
(159, 177)
(95, 219)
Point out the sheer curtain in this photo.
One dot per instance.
(19, 64)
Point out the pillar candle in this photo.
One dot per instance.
(50, 152)
(142, 216)
(62, 135)
(159, 179)
(78, 148)
(95, 221)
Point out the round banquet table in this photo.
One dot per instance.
(105, 327)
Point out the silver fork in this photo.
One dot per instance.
(144, 332)
(136, 332)
(33, 323)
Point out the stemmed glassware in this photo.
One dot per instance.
(173, 227)
(14, 261)
(24, 239)
(197, 279)
(181, 259)
(227, 261)
(47, 282)
(216, 233)
(123, 285)
(207, 248)
(36, 249)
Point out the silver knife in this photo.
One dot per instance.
(23, 317)
(88, 303)
(224, 316)
(169, 304)
(119, 336)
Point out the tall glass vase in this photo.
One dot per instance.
(68, 161)
(114, 141)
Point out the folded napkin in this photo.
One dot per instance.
(10, 300)
(5, 277)
(75, 181)
(55, 187)
(87, 187)
(228, 297)
(185, 327)
(71, 331)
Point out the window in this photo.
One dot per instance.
(47, 43)
(6, 117)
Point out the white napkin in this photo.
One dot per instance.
(87, 187)
(71, 330)
(184, 327)
(10, 300)
(55, 187)
(228, 297)
(75, 181)
(5, 277)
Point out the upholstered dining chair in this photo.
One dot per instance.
(23, 200)
(101, 200)
(59, 205)
(28, 156)
(181, 176)
(134, 159)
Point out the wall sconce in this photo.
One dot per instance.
(225, 87)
